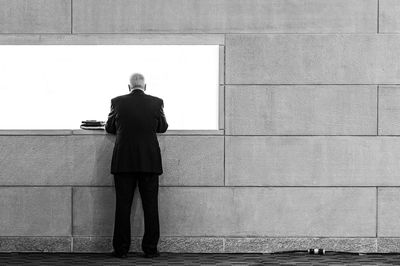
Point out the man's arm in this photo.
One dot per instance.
(110, 125)
(162, 121)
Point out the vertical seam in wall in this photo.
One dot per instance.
(376, 207)
(72, 17)
(224, 160)
(224, 109)
(223, 244)
(377, 110)
(224, 59)
(224, 141)
(377, 19)
(72, 219)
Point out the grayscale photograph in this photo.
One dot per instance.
(200, 132)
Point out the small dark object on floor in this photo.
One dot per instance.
(316, 251)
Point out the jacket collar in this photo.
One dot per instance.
(137, 92)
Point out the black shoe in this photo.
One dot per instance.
(121, 255)
(151, 255)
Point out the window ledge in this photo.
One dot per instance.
(68, 132)
(30, 132)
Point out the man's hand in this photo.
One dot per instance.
(162, 121)
(110, 125)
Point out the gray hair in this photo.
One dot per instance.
(137, 80)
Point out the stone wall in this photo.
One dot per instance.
(310, 151)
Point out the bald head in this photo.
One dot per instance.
(137, 81)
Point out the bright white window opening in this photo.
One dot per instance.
(58, 86)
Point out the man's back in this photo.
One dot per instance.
(136, 118)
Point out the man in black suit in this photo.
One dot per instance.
(135, 118)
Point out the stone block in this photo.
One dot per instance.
(233, 16)
(191, 244)
(311, 212)
(301, 110)
(312, 59)
(388, 212)
(35, 244)
(34, 160)
(35, 16)
(388, 244)
(221, 108)
(221, 68)
(94, 210)
(187, 160)
(211, 211)
(91, 159)
(201, 211)
(183, 211)
(312, 161)
(92, 244)
(192, 160)
(166, 244)
(389, 21)
(279, 244)
(389, 110)
(35, 211)
(110, 39)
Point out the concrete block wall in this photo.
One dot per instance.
(308, 155)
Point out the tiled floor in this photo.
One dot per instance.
(198, 259)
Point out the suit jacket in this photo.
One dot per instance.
(135, 118)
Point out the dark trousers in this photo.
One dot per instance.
(125, 185)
